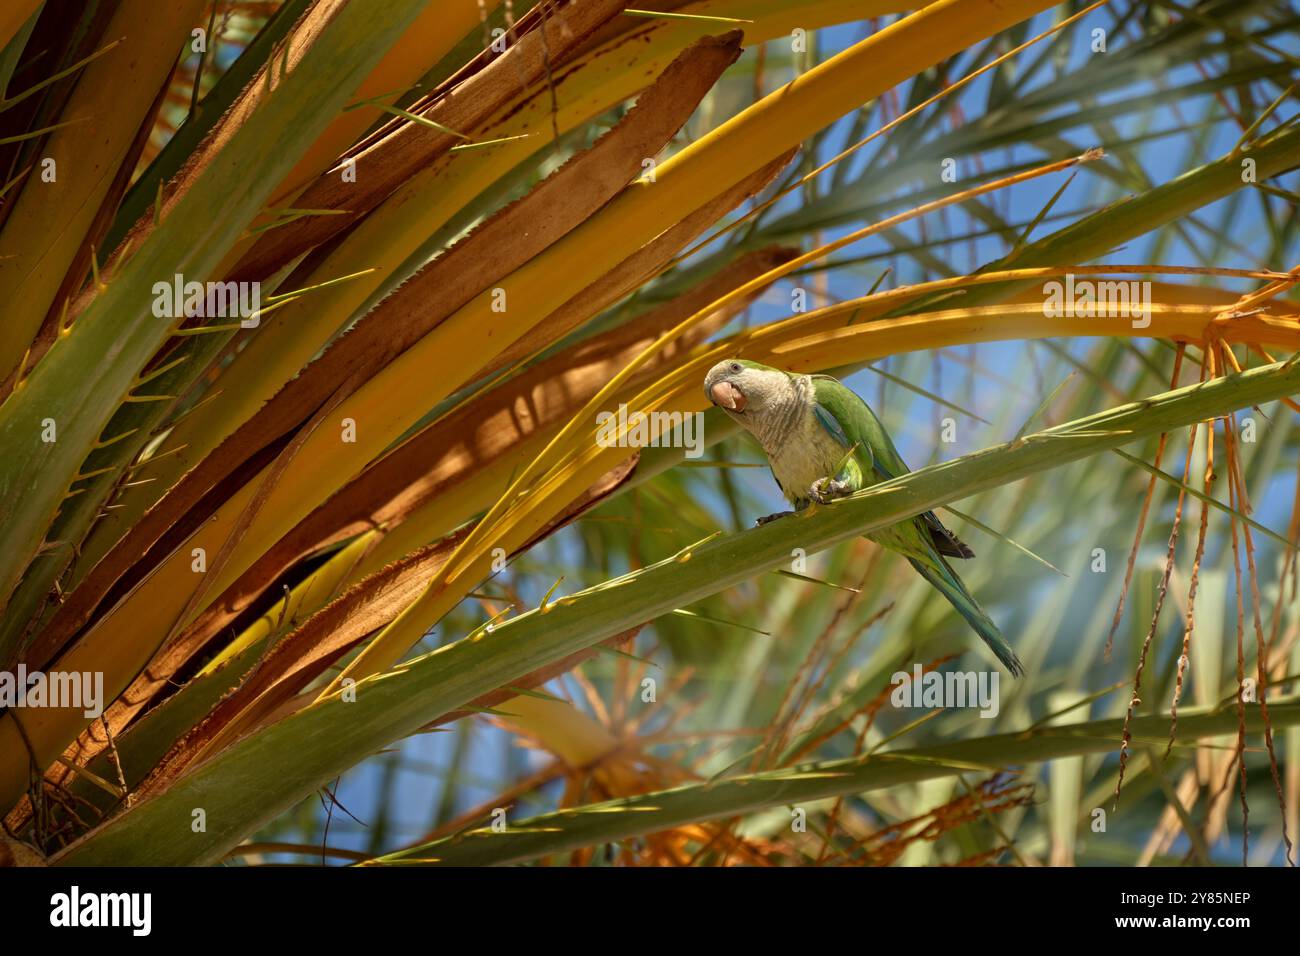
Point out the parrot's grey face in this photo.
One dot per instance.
(743, 392)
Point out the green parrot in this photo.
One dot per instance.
(823, 442)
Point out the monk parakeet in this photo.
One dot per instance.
(823, 442)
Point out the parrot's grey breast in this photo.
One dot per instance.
(798, 448)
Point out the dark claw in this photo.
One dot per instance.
(766, 518)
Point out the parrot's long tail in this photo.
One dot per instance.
(947, 583)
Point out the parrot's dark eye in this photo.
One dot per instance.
(735, 367)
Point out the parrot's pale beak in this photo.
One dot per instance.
(728, 396)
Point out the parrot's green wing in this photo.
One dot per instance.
(850, 421)
(924, 540)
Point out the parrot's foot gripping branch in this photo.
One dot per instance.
(826, 490)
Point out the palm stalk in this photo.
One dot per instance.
(313, 745)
